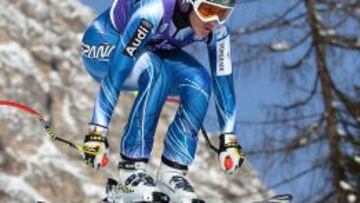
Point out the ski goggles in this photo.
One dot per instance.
(208, 11)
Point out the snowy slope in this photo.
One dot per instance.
(40, 66)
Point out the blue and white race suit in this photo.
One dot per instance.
(136, 45)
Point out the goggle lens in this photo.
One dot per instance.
(209, 11)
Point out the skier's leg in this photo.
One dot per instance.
(192, 84)
(137, 141)
(153, 88)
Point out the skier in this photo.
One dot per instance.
(137, 45)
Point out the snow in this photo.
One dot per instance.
(6, 112)
(341, 132)
(50, 38)
(2, 79)
(55, 78)
(34, 9)
(59, 54)
(12, 55)
(33, 28)
(15, 57)
(318, 17)
(42, 53)
(66, 110)
(335, 104)
(345, 186)
(47, 149)
(2, 158)
(339, 6)
(241, 30)
(280, 46)
(83, 103)
(351, 198)
(327, 33)
(303, 141)
(17, 25)
(79, 36)
(357, 159)
(93, 190)
(16, 185)
(358, 42)
(73, 10)
(48, 153)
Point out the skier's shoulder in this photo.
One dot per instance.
(152, 11)
(221, 31)
(143, 8)
(153, 8)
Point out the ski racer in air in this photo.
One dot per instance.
(137, 45)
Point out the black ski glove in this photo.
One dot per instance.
(231, 156)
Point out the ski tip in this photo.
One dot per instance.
(284, 197)
(281, 198)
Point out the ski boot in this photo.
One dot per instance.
(171, 181)
(134, 185)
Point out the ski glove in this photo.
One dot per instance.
(96, 147)
(230, 155)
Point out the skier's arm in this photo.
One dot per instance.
(230, 154)
(222, 78)
(140, 28)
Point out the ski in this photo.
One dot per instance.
(282, 198)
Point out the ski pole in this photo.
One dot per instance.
(50, 132)
(208, 142)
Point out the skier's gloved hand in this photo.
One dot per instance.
(230, 155)
(96, 147)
